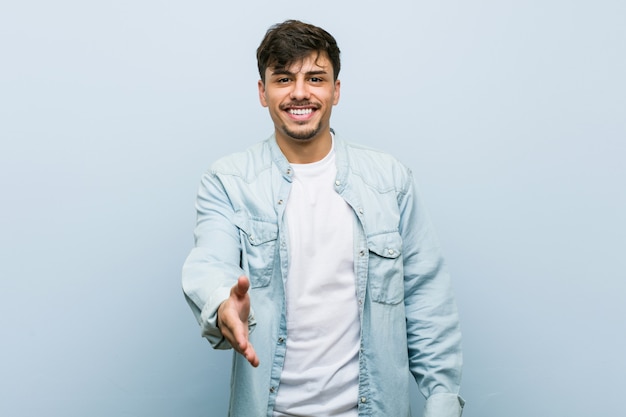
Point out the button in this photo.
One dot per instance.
(280, 201)
(251, 238)
(272, 390)
(390, 251)
(337, 183)
(288, 171)
(361, 252)
(361, 210)
(281, 340)
(360, 302)
(363, 399)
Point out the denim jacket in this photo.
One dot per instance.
(407, 311)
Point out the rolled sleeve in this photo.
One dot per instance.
(444, 405)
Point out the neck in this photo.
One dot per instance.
(299, 151)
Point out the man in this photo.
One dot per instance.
(316, 262)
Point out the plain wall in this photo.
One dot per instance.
(511, 115)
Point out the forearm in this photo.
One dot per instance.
(212, 267)
(433, 330)
(206, 285)
(434, 339)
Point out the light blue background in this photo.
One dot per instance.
(510, 113)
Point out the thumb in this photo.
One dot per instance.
(242, 286)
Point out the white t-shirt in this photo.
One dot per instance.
(320, 373)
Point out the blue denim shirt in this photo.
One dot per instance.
(408, 315)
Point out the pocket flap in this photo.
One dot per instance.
(257, 231)
(387, 245)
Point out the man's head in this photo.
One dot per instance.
(291, 41)
(299, 65)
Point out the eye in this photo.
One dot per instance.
(316, 80)
(282, 80)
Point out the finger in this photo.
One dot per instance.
(241, 338)
(251, 356)
(235, 337)
(231, 326)
(241, 288)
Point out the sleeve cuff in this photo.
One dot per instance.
(444, 405)
(208, 319)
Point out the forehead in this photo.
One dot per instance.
(314, 61)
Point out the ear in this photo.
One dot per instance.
(261, 86)
(337, 92)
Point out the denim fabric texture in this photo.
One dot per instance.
(408, 315)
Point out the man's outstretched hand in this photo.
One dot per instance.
(232, 319)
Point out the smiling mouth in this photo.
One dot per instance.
(300, 112)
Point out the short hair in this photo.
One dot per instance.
(290, 41)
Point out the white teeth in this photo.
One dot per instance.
(300, 112)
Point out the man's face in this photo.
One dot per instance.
(300, 98)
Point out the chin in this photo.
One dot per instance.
(303, 135)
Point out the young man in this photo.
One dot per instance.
(316, 262)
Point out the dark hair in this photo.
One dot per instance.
(290, 41)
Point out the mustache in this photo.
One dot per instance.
(299, 104)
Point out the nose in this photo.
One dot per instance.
(300, 90)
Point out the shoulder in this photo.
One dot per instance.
(372, 156)
(247, 163)
(375, 165)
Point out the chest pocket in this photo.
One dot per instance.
(258, 248)
(385, 271)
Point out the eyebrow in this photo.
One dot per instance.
(283, 71)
